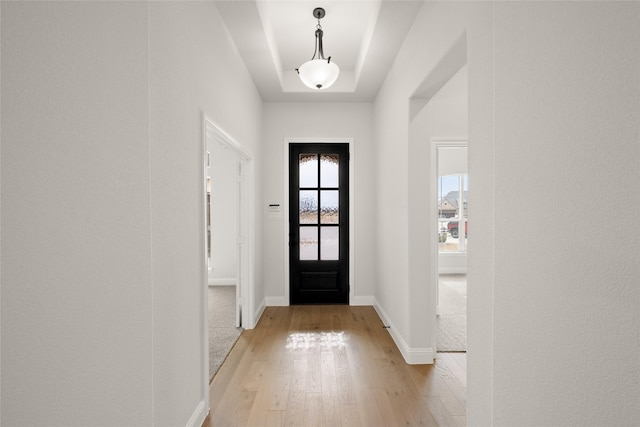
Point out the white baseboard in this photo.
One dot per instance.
(452, 263)
(258, 312)
(452, 270)
(362, 300)
(420, 356)
(275, 302)
(225, 281)
(413, 356)
(199, 415)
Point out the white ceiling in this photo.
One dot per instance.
(275, 37)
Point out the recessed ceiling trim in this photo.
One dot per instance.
(366, 41)
(271, 39)
(362, 36)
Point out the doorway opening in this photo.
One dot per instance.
(452, 225)
(228, 235)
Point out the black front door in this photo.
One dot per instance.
(319, 223)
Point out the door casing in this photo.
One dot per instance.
(307, 140)
(246, 221)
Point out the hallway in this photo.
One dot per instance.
(333, 366)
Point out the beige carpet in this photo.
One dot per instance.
(452, 322)
(222, 331)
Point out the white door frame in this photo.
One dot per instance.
(306, 140)
(245, 300)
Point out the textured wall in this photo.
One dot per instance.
(102, 286)
(76, 261)
(567, 300)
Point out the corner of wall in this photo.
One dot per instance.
(275, 302)
(362, 300)
(413, 356)
(258, 313)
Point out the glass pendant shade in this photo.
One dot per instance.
(319, 73)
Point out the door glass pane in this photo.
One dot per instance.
(329, 243)
(329, 212)
(308, 207)
(329, 170)
(308, 170)
(309, 243)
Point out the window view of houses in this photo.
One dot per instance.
(452, 205)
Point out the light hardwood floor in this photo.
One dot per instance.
(332, 366)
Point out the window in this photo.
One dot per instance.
(452, 199)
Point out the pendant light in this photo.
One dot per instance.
(318, 73)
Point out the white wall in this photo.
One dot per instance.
(194, 68)
(224, 216)
(567, 148)
(321, 120)
(405, 121)
(102, 285)
(553, 310)
(449, 108)
(76, 238)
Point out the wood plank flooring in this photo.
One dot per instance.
(332, 366)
